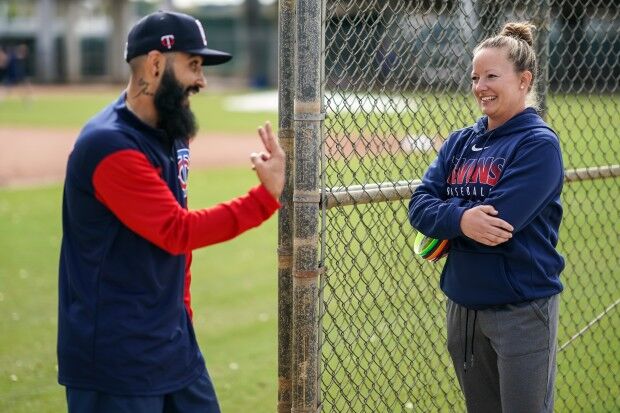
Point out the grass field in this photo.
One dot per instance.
(71, 110)
(235, 304)
(384, 312)
(383, 323)
(382, 306)
(586, 125)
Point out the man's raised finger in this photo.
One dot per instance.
(274, 144)
(267, 136)
(262, 133)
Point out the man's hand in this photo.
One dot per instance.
(269, 164)
(480, 224)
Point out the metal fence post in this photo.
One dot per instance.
(542, 20)
(286, 84)
(306, 197)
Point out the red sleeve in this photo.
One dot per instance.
(127, 184)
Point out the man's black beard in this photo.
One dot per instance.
(174, 114)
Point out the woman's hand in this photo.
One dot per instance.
(480, 224)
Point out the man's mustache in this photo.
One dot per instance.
(192, 90)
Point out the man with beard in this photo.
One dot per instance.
(125, 336)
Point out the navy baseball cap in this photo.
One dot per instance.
(171, 32)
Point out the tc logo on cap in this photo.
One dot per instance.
(167, 41)
(202, 32)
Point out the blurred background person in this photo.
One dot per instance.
(16, 72)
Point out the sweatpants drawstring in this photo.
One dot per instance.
(473, 337)
(465, 349)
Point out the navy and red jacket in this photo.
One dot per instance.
(517, 168)
(124, 321)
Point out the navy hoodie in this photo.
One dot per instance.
(517, 168)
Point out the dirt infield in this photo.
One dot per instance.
(38, 156)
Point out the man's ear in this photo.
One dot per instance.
(155, 63)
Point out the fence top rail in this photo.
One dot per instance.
(396, 191)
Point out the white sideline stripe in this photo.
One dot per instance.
(346, 103)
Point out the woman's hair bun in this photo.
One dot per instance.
(520, 31)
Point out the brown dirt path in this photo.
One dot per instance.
(31, 156)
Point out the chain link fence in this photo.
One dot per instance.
(396, 83)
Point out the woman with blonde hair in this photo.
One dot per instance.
(494, 192)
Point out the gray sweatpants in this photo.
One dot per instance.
(504, 357)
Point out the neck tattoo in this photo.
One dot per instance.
(144, 88)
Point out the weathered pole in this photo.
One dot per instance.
(46, 69)
(286, 89)
(306, 197)
(542, 20)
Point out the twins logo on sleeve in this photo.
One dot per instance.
(183, 168)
